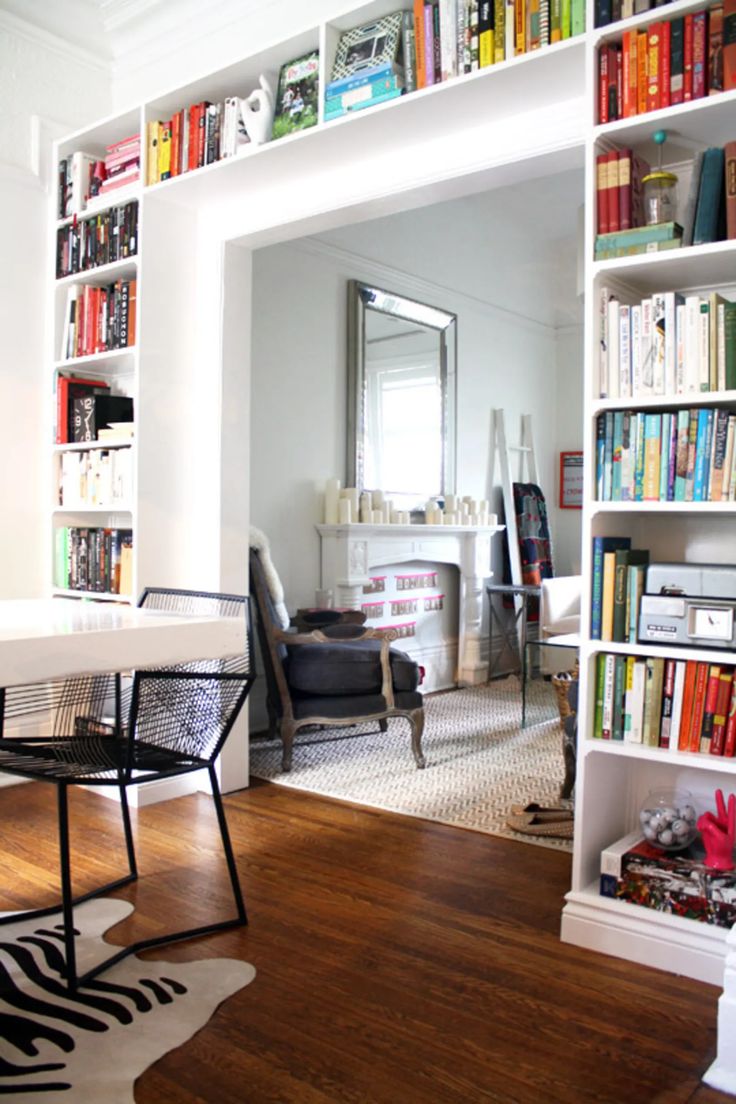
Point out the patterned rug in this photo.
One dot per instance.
(89, 1048)
(479, 761)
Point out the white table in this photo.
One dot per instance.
(44, 639)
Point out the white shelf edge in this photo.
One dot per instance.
(94, 358)
(649, 120)
(123, 508)
(93, 275)
(665, 756)
(89, 446)
(97, 595)
(611, 32)
(665, 402)
(686, 254)
(696, 508)
(663, 651)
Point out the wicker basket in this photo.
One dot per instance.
(561, 683)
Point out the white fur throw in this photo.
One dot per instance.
(259, 541)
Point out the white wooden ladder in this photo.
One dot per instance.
(526, 453)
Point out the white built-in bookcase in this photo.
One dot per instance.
(189, 369)
(613, 777)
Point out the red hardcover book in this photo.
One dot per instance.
(67, 389)
(654, 63)
(132, 310)
(175, 143)
(730, 741)
(619, 83)
(614, 218)
(624, 189)
(686, 713)
(729, 45)
(725, 687)
(715, 50)
(665, 65)
(642, 71)
(700, 54)
(709, 710)
(688, 81)
(696, 721)
(730, 157)
(601, 193)
(603, 85)
(194, 113)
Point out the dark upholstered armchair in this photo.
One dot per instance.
(337, 676)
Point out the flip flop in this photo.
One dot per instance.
(545, 812)
(531, 825)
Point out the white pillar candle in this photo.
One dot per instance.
(450, 503)
(332, 495)
(377, 500)
(492, 519)
(365, 507)
(475, 520)
(395, 514)
(377, 518)
(344, 511)
(386, 513)
(483, 506)
(353, 497)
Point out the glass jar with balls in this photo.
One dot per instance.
(668, 819)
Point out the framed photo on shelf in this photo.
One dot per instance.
(367, 46)
(297, 96)
(571, 480)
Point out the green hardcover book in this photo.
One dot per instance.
(729, 328)
(635, 250)
(600, 689)
(566, 18)
(578, 17)
(499, 30)
(626, 559)
(555, 21)
(619, 689)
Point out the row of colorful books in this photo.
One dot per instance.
(676, 704)
(668, 344)
(619, 577)
(678, 883)
(672, 456)
(611, 11)
(102, 239)
(99, 560)
(99, 319)
(95, 477)
(667, 63)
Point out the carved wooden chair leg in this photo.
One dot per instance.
(383, 724)
(416, 720)
(288, 728)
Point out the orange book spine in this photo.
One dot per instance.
(132, 310)
(686, 714)
(419, 43)
(520, 25)
(665, 64)
(642, 71)
(709, 710)
(701, 680)
(729, 45)
(653, 66)
(730, 740)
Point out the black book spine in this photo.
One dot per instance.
(602, 13)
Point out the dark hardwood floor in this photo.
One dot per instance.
(398, 961)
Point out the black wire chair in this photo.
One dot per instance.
(115, 730)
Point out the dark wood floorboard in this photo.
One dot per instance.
(398, 961)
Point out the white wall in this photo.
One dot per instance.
(39, 76)
(568, 527)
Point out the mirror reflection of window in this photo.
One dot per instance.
(403, 407)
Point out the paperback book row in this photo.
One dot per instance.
(198, 135)
(95, 560)
(86, 180)
(680, 705)
(668, 344)
(88, 243)
(98, 477)
(98, 319)
(619, 577)
(678, 883)
(611, 11)
(673, 456)
(667, 63)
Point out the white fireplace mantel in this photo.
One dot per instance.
(351, 552)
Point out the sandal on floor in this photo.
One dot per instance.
(531, 824)
(546, 812)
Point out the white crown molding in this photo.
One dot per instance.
(55, 44)
(427, 290)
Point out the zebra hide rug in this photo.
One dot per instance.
(90, 1048)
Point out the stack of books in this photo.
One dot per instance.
(638, 239)
(122, 164)
(363, 89)
(675, 882)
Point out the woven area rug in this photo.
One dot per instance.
(479, 761)
(89, 1048)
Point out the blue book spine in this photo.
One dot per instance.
(664, 465)
(702, 456)
(600, 455)
(683, 425)
(618, 444)
(608, 458)
(709, 197)
(331, 113)
(639, 467)
(626, 455)
(355, 80)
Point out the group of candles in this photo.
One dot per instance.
(347, 505)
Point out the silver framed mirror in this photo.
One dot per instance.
(401, 396)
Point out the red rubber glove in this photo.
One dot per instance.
(719, 833)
